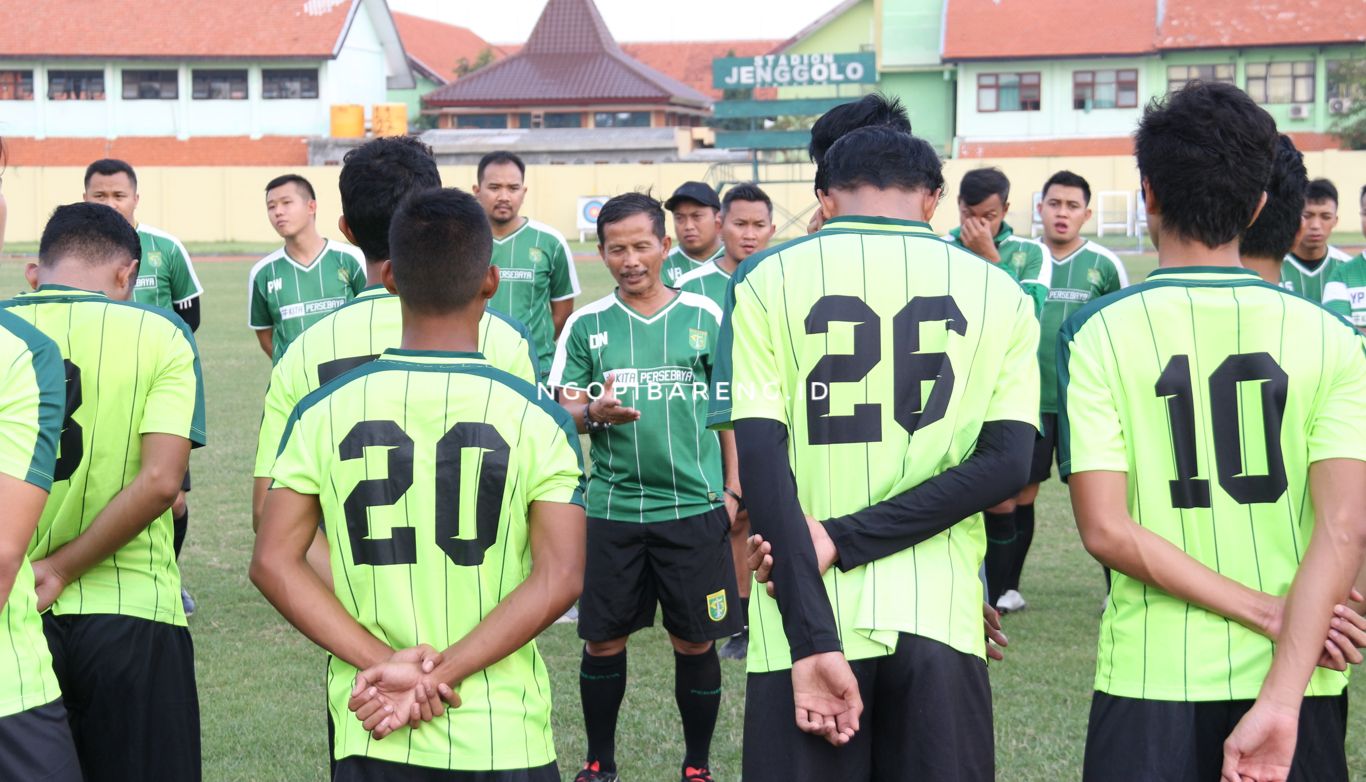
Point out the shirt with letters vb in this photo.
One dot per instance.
(1214, 391)
(678, 263)
(447, 454)
(131, 370)
(1345, 291)
(1089, 272)
(356, 334)
(1297, 277)
(166, 276)
(1022, 258)
(289, 296)
(535, 267)
(32, 403)
(666, 465)
(883, 349)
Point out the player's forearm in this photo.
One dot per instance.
(730, 461)
(576, 402)
(776, 513)
(996, 471)
(23, 504)
(266, 337)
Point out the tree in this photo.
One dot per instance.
(464, 67)
(1347, 78)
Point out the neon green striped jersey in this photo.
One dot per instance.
(32, 402)
(535, 267)
(429, 462)
(708, 280)
(1022, 258)
(356, 334)
(1214, 392)
(131, 370)
(288, 296)
(1297, 277)
(1091, 271)
(883, 349)
(665, 466)
(165, 274)
(1345, 292)
(678, 263)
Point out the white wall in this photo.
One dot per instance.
(1055, 118)
(360, 72)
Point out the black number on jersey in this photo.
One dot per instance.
(1175, 384)
(71, 447)
(401, 547)
(331, 370)
(911, 368)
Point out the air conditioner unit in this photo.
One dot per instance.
(1339, 105)
(1300, 111)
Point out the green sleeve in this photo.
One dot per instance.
(296, 467)
(1338, 430)
(1087, 403)
(358, 280)
(557, 465)
(1016, 394)
(259, 315)
(564, 280)
(1034, 278)
(573, 364)
(281, 398)
(184, 284)
(32, 405)
(747, 365)
(1335, 294)
(175, 400)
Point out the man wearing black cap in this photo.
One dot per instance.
(697, 226)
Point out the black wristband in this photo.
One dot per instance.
(739, 501)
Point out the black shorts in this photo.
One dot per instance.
(1045, 447)
(36, 744)
(129, 689)
(358, 769)
(684, 566)
(1130, 739)
(926, 716)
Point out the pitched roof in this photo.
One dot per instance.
(690, 61)
(1012, 29)
(570, 58)
(1189, 24)
(437, 48)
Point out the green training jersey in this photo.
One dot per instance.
(708, 280)
(288, 296)
(32, 402)
(666, 465)
(1214, 392)
(678, 263)
(1296, 275)
(131, 370)
(1091, 271)
(441, 456)
(166, 276)
(356, 334)
(883, 350)
(535, 267)
(1345, 291)
(1022, 258)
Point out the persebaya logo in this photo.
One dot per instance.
(697, 339)
(1093, 276)
(536, 254)
(716, 605)
(344, 275)
(154, 258)
(1018, 259)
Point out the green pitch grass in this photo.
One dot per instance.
(261, 683)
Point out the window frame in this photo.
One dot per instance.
(1281, 82)
(213, 76)
(284, 75)
(138, 78)
(1192, 74)
(14, 82)
(1124, 80)
(616, 115)
(990, 83)
(65, 75)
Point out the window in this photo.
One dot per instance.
(75, 85)
(1281, 82)
(289, 83)
(484, 121)
(219, 85)
(1179, 76)
(1104, 89)
(621, 119)
(151, 85)
(524, 120)
(563, 120)
(1008, 92)
(16, 85)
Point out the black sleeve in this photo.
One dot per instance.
(775, 513)
(996, 471)
(189, 312)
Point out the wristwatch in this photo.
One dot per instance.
(592, 426)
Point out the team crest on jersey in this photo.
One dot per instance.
(344, 275)
(536, 254)
(716, 605)
(1093, 276)
(1018, 259)
(697, 339)
(154, 258)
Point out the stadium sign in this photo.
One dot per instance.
(793, 70)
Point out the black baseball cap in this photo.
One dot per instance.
(700, 192)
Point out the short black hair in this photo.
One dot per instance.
(495, 158)
(626, 205)
(374, 180)
(441, 245)
(92, 233)
(108, 167)
(1066, 178)
(285, 179)
(872, 109)
(883, 157)
(1205, 152)
(1273, 234)
(746, 191)
(980, 184)
(1321, 190)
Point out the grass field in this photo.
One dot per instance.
(261, 683)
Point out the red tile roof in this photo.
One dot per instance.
(1189, 24)
(690, 61)
(1010, 29)
(437, 47)
(177, 28)
(160, 151)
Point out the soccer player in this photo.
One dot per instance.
(746, 228)
(537, 279)
(1264, 245)
(1345, 293)
(871, 109)
(456, 493)
(983, 203)
(103, 560)
(1212, 432)
(697, 225)
(1082, 270)
(633, 369)
(844, 368)
(295, 286)
(1312, 260)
